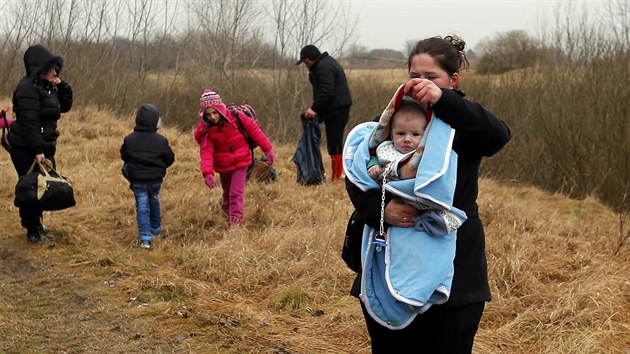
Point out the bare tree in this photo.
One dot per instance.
(20, 29)
(617, 16)
(227, 27)
(295, 24)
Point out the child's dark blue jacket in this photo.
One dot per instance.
(146, 152)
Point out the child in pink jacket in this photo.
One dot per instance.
(223, 149)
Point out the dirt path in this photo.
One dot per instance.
(51, 302)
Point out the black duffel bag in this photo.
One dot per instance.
(44, 188)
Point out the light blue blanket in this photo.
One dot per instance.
(415, 268)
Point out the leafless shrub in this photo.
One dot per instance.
(569, 121)
(511, 51)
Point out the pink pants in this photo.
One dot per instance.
(233, 184)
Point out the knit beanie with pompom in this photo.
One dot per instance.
(210, 98)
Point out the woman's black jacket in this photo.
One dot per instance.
(38, 104)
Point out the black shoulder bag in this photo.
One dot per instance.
(351, 250)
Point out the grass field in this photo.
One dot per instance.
(278, 284)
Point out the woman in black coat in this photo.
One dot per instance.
(38, 101)
(434, 66)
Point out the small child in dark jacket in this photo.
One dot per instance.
(147, 155)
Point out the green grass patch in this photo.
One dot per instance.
(292, 298)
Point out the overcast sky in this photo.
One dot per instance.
(390, 23)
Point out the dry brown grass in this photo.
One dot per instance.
(277, 284)
(394, 76)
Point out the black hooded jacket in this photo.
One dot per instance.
(331, 94)
(38, 104)
(146, 152)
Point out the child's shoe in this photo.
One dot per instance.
(145, 244)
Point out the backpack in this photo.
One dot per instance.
(241, 108)
(259, 169)
(5, 123)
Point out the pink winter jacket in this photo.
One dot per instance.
(223, 148)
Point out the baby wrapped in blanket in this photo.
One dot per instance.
(407, 269)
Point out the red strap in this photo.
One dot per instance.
(404, 162)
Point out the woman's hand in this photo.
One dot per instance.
(423, 91)
(55, 81)
(51, 77)
(397, 213)
(40, 158)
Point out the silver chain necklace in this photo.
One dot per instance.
(380, 240)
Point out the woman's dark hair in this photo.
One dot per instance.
(448, 51)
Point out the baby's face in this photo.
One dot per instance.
(407, 130)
